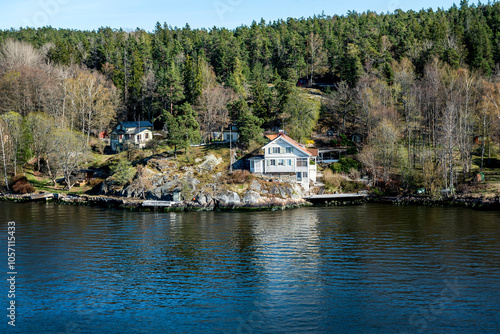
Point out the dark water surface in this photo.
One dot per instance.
(360, 269)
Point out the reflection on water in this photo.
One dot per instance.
(369, 268)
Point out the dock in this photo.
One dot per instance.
(335, 197)
(38, 197)
(158, 203)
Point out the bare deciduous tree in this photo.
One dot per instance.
(212, 110)
(72, 152)
(15, 54)
(91, 102)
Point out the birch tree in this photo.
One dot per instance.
(4, 142)
(91, 102)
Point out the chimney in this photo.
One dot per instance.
(281, 132)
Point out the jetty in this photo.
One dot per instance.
(158, 203)
(37, 197)
(336, 197)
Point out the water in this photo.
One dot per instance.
(359, 269)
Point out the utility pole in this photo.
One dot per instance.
(230, 149)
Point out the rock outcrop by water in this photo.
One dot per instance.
(203, 186)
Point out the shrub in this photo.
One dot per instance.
(153, 145)
(345, 165)
(332, 179)
(123, 172)
(239, 177)
(352, 186)
(95, 182)
(21, 185)
(354, 174)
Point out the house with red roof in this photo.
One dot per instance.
(282, 157)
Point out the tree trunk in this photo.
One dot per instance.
(4, 160)
(482, 154)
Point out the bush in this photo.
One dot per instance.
(95, 182)
(345, 165)
(239, 177)
(153, 145)
(123, 172)
(21, 185)
(352, 186)
(332, 179)
(354, 174)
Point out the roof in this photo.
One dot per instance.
(141, 124)
(256, 157)
(312, 152)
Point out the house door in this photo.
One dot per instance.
(299, 177)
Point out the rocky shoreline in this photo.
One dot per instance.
(479, 203)
(114, 202)
(229, 202)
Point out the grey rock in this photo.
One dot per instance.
(204, 199)
(162, 164)
(209, 163)
(191, 182)
(228, 198)
(201, 199)
(251, 197)
(104, 189)
(255, 185)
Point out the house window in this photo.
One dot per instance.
(269, 150)
(139, 137)
(304, 175)
(289, 162)
(302, 162)
(252, 164)
(276, 150)
(271, 162)
(281, 162)
(121, 137)
(299, 177)
(147, 135)
(288, 149)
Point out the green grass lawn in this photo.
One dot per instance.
(43, 184)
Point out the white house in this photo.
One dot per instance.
(136, 133)
(231, 134)
(284, 156)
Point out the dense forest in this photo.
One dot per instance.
(419, 85)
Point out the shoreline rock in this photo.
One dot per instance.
(251, 200)
(479, 203)
(224, 202)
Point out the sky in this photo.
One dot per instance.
(129, 15)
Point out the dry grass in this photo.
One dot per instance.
(331, 179)
(240, 177)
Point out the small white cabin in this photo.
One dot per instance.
(136, 133)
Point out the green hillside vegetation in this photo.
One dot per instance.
(421, 88)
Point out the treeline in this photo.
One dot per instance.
(418, 85)
(157, 70)
(420, 130)
(49, 111)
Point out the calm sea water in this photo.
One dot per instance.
(358, 269)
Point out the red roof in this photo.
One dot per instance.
(312, 152)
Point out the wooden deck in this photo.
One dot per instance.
(335, 197)
(157, 203)
(41, 196)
